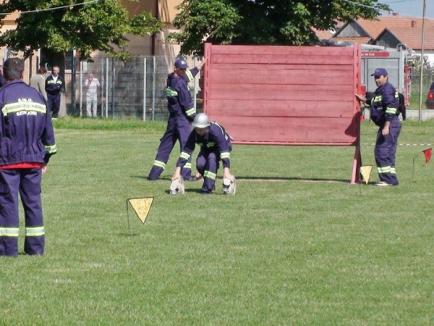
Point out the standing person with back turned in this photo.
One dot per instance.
(26, 144)
(385, 114)
(54, 84)
(181, 113)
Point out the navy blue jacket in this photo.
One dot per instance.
(179, 99)
(384, 104)
(54, 87)
(216, 140)
(26, 131)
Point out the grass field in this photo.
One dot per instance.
(296, 245)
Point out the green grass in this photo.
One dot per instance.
(107, 124)
(415, 92)
(296, 245)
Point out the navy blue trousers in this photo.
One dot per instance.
(178, 129)
(385, 153)
(207, 163)
(26, 183)
(53, 104)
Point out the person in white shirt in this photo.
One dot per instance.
(91, 85)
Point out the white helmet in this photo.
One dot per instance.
(200, 121)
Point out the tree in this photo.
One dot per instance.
(285, 22)
(99, 25)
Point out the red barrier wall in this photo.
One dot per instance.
(284, 95)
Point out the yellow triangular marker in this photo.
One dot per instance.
(141, 207)
(365, 171)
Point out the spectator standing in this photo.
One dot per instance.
(54, 85)
(38, 81)
(91, 85)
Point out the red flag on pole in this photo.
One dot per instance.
(428, 153)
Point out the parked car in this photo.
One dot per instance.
(430, 97)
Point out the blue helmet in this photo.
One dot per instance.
(180, 63)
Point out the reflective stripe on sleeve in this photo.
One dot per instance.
(170, 92)
(9, 232)
(51, 149)
(35, 231)
(225, 155)
(184, 155)
(187, 166)
(160, 164)
(378, 98)
(190, 76)
(210, 175)
(190, 112)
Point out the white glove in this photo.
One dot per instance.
(229, 186)
(177, 186)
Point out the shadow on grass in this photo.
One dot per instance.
(257, 178)
(187, 190)
(278, 179)
(144, 177)
(128, 234)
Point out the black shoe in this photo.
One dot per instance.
(205, 192)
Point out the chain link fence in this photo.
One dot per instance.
(134, 88)
(128, 89)
(428, 79)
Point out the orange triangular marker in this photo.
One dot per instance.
(365, 171)
(141, 206)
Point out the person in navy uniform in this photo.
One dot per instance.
(385, 114)
(54, 85)
(215, 145)
(26, 144)
(181, 113)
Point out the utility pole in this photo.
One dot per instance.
(421, 60)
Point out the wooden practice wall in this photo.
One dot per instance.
(284, 95)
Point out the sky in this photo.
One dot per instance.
(410, 7)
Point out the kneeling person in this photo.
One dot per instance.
(215, 145)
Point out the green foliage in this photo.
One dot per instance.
(97, 26)
(286, 22)
(214, 20)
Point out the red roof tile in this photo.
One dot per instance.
(411, 37)
(322, 35)
(406, 29)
